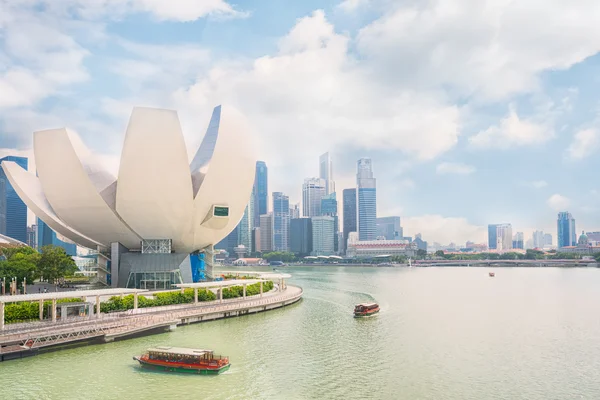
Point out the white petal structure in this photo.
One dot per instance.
(158, 194)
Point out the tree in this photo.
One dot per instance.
(439, 253)
(21, 263)
(55, 263)
(421, 253)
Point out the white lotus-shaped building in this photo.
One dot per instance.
(160, 208)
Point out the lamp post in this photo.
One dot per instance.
(25, 285)
(3, 286)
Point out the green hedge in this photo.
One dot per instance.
(117, 303)
(251, 290)
(26, 311)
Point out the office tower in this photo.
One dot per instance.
(313, 190)
(421, 244)
(566, 230)
(301, 236)
(245, 226)
(13, 211)
(389, 228)
(261, 191)
(366, 200)
(46, 236)
(326, 173)
(322, 235)
(32, 236)
(295, 211)
(518, 241)
(281, 221)
(266, 232)
(538, 239)
(500, 236)
(256, 240)
(349, 207)
(329, 206)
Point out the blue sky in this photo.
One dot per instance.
(473, 111)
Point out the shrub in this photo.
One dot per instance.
(28, 311)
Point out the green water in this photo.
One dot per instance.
(443, 333)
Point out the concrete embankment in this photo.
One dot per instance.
(118, 326)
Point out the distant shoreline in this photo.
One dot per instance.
(477, 265)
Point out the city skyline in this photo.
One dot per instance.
(522, 128)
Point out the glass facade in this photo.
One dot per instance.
(566, 230)
(313, 190)
(301, 236)
(281, 221)
(349, 206)
(261, 191)
(13, 211)
(154, 280)
(150, 246)
(389, 228)
(367, 213)
(47, 236)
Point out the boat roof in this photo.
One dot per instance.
(367, 304)
(179, 350)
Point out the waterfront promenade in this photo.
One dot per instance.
(26, 339)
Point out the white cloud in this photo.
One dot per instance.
(352, 5)
(512, 131)
(436, 228)
(486, 48)
(584, 144)
(558, 203)
(186, 10)
(454, 168)
(538, 184)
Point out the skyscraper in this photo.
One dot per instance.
(245, 225)
(313, 191)
(326, 173)
(295, 211)
(349, 206)
(329, 206)
(261, 191)
(547, 239)
(266, 232)
(518, 241)
(46, 236)
(281, 221)
(389, 228)
(566, 230)
(32, 236)
(538, 240)
(301, 236)
(367, 200)
(500, 236)
(13, 211)
(322, 235)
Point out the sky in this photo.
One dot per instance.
(473, 111)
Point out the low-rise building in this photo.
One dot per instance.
(378, 248)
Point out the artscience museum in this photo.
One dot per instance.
(156, 223)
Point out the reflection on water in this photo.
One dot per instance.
(443, 333)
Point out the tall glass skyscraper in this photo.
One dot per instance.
(389, 228)
(326, 173)
(349, 207)
(13, 212)
(281, 222)
(46, 236)
(367, 200)
(261, 191)
(566, 230)
(329, 206)
(313, 190)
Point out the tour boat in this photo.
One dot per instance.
(492, 274)
(366, 309)
(179, 359)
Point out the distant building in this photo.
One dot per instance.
(46, 236)
(229, 242)
(566, 230)
(379, 248)
(389, 228)
(295, 211)
(538, 240)
(13, 211)
(256, 240)
(366, 200)
(349, 206)
(301, 238)
(261, 191)
(313, 190)
(584, 247)
(326, 173)
(500, 236)
(594, 238)
(245, 226)
(547, 239)
(518, 241)
(329, 206)
(32, 236)
(281, 221)
(420, 243)
(322, 235)
(266, 232)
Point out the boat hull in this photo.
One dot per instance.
(366, 314)
(182, 368)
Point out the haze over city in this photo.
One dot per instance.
(470, 117)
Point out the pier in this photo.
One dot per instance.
(28, 339)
